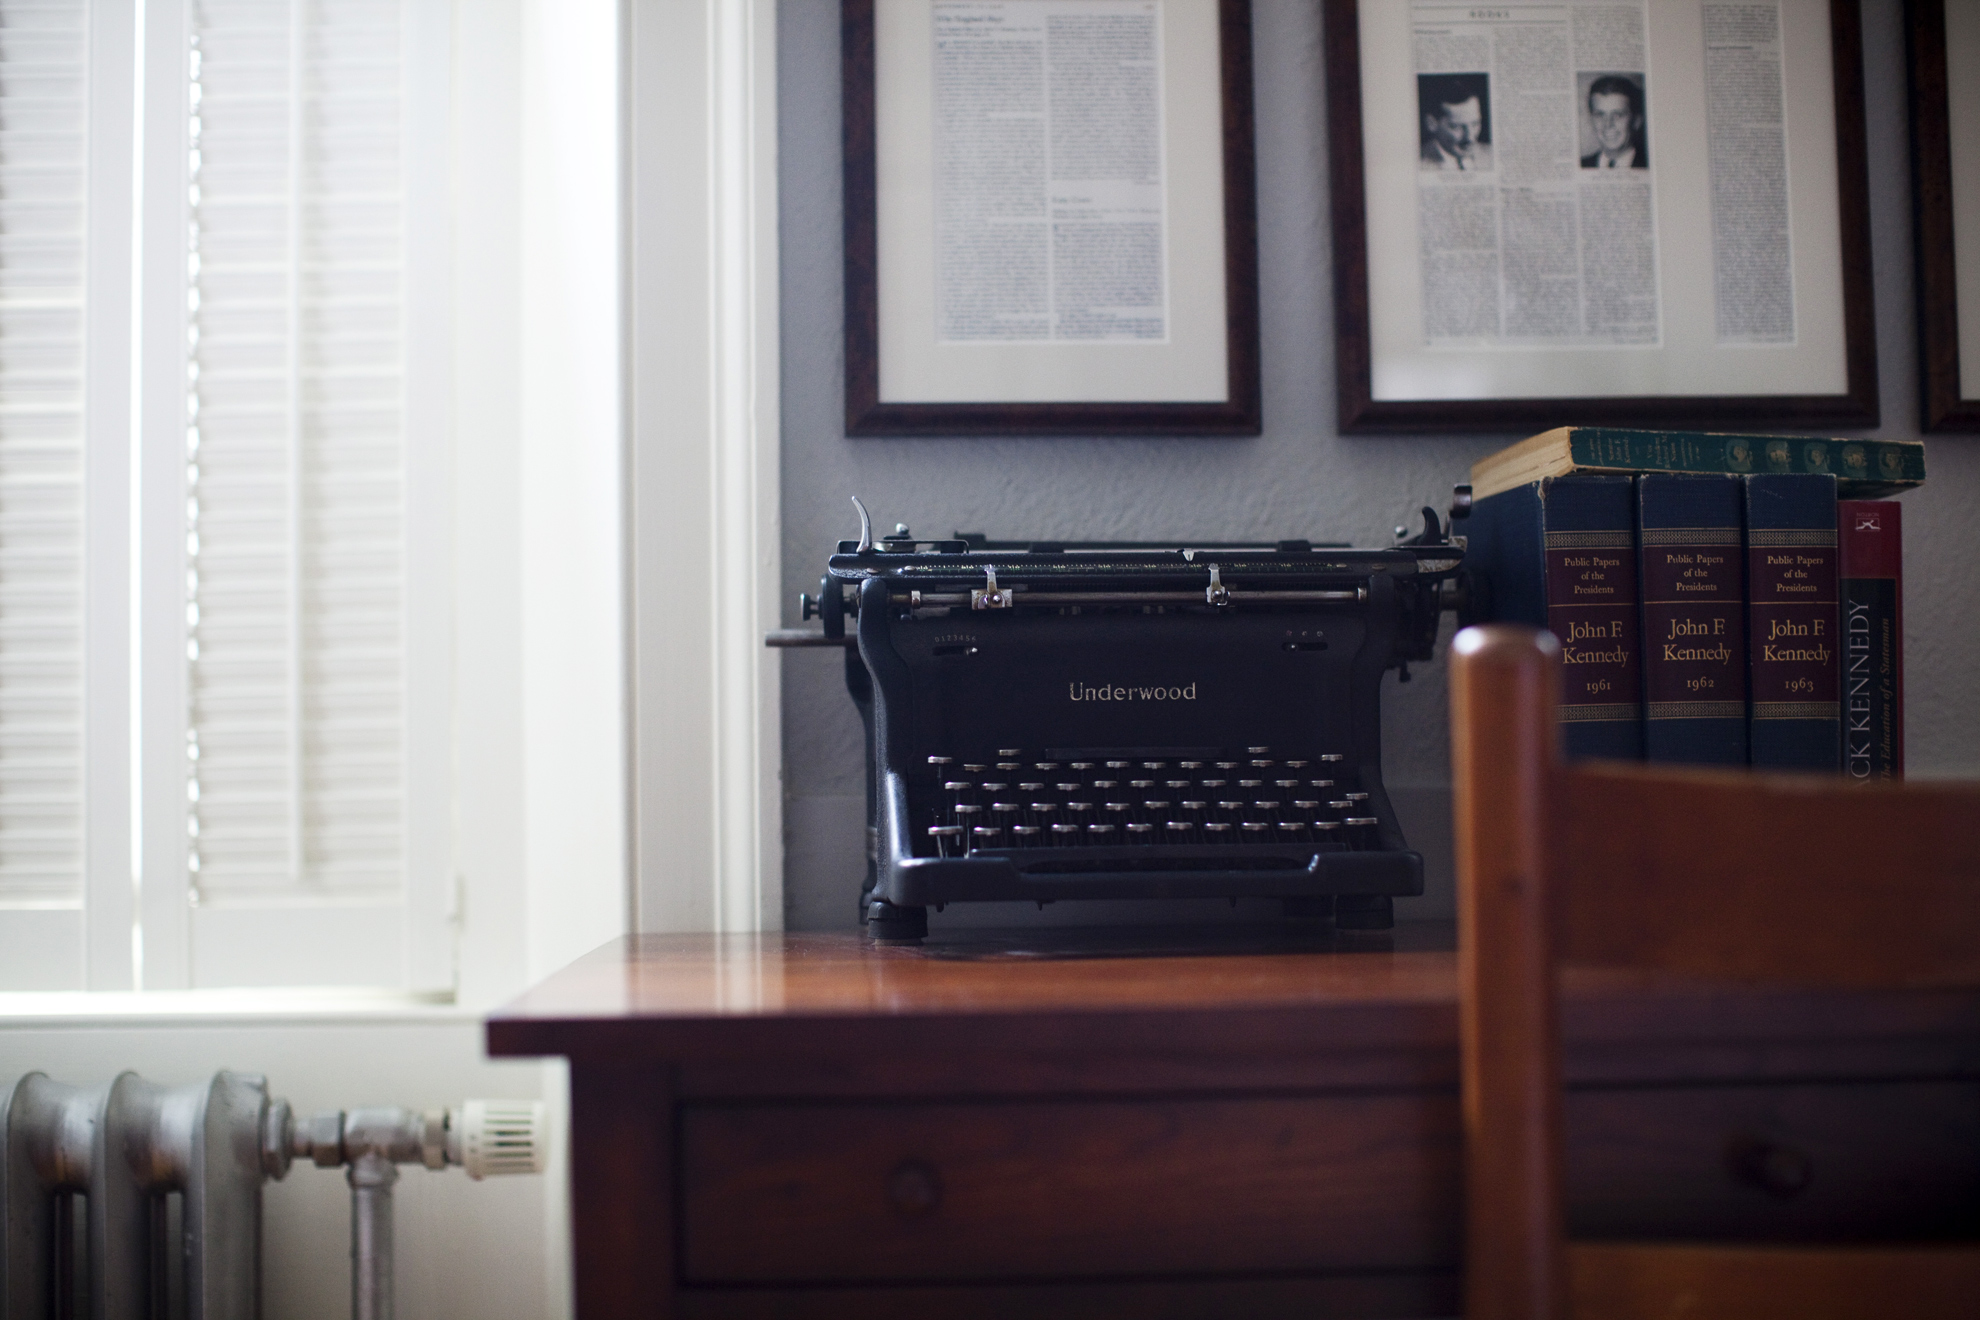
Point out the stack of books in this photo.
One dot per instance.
(1720, 599)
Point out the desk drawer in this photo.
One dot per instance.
(792, 1193)
(1835, 1161)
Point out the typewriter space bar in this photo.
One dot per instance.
(1132, 753)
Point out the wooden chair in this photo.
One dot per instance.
(1729, 875)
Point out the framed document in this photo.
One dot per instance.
(1945, 146)
(1051, 218)
(1600, 212)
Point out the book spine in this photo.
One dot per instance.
(1863, 466)
(1592, 606)
(1694, 617)
(1870, 551)
(1794, 659)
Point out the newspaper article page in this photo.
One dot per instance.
(1050, 205)
(1536, 219)
(1746, 145)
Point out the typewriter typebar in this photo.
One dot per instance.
(1080, 721)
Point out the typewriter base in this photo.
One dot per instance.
(1353, 889)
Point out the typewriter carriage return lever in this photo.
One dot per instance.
(1061, 720)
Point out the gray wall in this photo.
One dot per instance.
(1299, 478)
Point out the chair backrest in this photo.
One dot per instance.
(1790, 878)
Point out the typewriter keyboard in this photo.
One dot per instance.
(1245, 797)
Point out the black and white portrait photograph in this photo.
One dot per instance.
(1612, 121)
(1456, 112)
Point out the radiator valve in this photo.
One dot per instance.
(484, 1137)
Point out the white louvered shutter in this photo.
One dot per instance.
(61, 665)
(299, 736)
(43, 126)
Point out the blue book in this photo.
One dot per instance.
(1694, 618)
(1560, 553)
(1794, 653)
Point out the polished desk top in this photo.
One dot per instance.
(1388, 1002)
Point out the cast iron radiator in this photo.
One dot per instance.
(133, 1201)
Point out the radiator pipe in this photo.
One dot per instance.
(371, 1177)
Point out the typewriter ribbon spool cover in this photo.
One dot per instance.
(1080, 721)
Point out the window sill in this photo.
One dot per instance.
(79, 1008)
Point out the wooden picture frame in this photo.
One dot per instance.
(1852, 329)
(1235, 322)
(1943, 404)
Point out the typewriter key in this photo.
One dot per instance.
(968, 809)
(1256, 751)
(989, 787)
(1227, 765)
(1045, 767)
(1176, 783)
(1218, 831)
(1331, 757)
(1025, 835)
(1043, 808)
(1355, 797)
(941, 760)
(1101, 833)
(1106, 783)
(1293, 828)
(1031, 788)
(1080, 808)
(1154, 765)
(1230, 806)
(1139, 833)
(1306, 806)
(1008, 766)
(1181, 830)
(1117, 808)
(1297, 765)
(1254, 829)
(1339, 806)
(1326, 826)
(1194, 806)
(1323, 783)
(1278, 783)
(1141, 783)
(974, 769)
(948, 839)
(1190, 765)
(1215, 783)
(986, 835)
(1008, 752)
(1266, 805)
(1261, 765)
(1156, 806)
(1069, 788)
(1065, 833)
(1119, 765)
(1082, 765)
(957, 786)
(1251, 783)
(1002, 809)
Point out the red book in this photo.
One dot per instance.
(1870, 546)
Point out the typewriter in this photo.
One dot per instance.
(1067, 720)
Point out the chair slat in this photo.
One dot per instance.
(1791, 878)
(1629, 1281)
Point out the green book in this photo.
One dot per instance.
(1862, 468)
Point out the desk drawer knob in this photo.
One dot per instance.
(914, 1189)
(1780, 1171)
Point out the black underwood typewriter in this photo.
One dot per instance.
(1067, 720)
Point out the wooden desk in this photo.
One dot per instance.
(1227, 1123)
